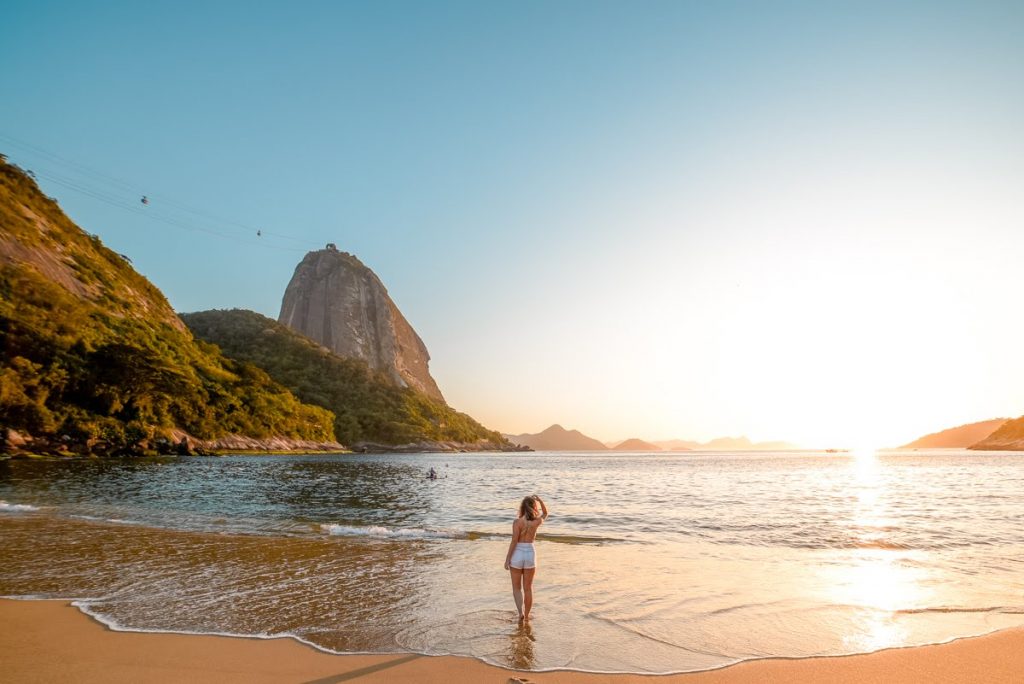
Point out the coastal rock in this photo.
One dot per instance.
(13, 440)
(189, 445)
(433, 446)
(338, 302)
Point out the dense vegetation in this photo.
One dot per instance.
(367, 407)
(93, 356)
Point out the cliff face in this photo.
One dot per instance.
(335, 300)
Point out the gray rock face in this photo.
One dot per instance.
(337, 301)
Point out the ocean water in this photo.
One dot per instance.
(649, 563)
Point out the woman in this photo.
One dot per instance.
(521, 560)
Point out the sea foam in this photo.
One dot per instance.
(381, 532)
(16, 508)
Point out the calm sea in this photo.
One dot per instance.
(649, 563)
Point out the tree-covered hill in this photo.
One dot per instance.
(366, 405)
(93, 358)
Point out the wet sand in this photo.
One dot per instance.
(48, 641)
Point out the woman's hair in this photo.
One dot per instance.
(528, 508)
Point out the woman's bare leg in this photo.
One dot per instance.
(528, 574)
(517, 589)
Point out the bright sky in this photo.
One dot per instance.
(665, 220)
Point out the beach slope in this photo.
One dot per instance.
(49, 641)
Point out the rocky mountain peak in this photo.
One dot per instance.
(337, 301)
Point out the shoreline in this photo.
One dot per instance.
(43, 640)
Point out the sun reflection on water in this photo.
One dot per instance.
(877, 581)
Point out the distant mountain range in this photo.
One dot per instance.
(557, 438)
(677, 444)
(723, 444)
(962, 436)
(635, 444)
(744, 444)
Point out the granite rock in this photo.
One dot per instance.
(335, 300)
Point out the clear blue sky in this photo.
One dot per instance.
(650, 219)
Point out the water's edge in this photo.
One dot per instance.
(112, 625)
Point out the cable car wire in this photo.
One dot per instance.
(116, 188)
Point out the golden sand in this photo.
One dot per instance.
(52, 641)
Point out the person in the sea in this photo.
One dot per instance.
(432, 474)
(521, 559)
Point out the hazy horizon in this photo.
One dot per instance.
(793, 222)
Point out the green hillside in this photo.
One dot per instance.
(367, 407)
(93, 356)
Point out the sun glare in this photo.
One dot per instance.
(864, 455)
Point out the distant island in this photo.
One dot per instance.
(744, 444)
(557, 438)
(635, 444)
(722, 444)
(677, 444)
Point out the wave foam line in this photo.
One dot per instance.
(16, 508)
(416, 533)
(381, 532)
(115, 521)
(115, 626)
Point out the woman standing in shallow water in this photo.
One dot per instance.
(521, 559)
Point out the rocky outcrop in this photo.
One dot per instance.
(338, 302)
(187, 444)
(958, 437)
(173, 442)
(1009, 437)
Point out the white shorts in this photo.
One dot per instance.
(523, 556)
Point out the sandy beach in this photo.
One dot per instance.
(48, 641)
